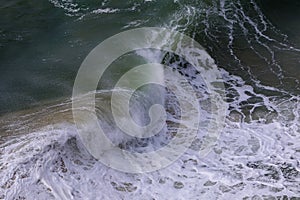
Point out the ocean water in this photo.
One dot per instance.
(255, 45)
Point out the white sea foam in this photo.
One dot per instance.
(249, 159)
(257, 154)
(105, 10)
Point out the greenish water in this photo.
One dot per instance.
(255, 45)
(42, 47)
(43, 43)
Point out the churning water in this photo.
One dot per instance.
(255, 45)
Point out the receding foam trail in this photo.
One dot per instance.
(256, 157)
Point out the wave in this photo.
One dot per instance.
(255, 157)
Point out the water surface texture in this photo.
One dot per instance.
(256, 47)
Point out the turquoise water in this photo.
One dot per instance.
(256, 47)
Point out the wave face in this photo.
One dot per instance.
(257, 155)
